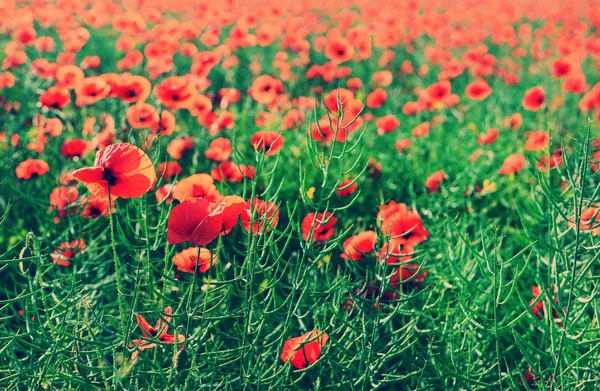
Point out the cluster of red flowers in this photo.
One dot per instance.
(170, 99)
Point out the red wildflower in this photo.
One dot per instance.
(512, 164)
(321, 225)
(156, 333)
(67, 251)
(534, 99)
(200, 222)
(123, 167)
(260, 215)
(478, 90)
(355, 247)
(304, 350)
(267, 142)
(537, 141)
(31, 167)
(187, 261)
(432, 183)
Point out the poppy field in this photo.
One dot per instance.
(299, 195)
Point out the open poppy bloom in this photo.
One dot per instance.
(512, 164)
(346, 188)
(432, 183)
(197, 185)
(198, 221)
(265, 89)
(478, 90)
(75, 147)
(489, 137)
(537, 141)
(30, 168)
(123, 167)
(55, 98)
(175, 92)
(304, 350)
(268, 143)
(321, 224)
(339, 50)
(386, 124)
(355, 247)
(219, 150)
(260, 215)
(534, 99)
(66, 251)
(94, 207)
(396, 220)
(157, 333)
(61, 199)
(186, 260)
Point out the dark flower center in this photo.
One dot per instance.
(109, 177)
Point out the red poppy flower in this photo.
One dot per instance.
(538, 305)
(354, 83)
(169, 169)
(265, 89)
(166, 123)
(515, 121)
(421, 130)
(177, 147)
(376, 98)
(175, 92)
(397, 250)
(438, 92)
(55, 98)
(67, 251)
(200, 222)
(73, 148)
(164, 193)
(132, 89)
(396, 220)
(355, 247)
(328, 130)
(403, 144)
(201, 105)
(227, 171)
(157, 333)
(94, 207)
(124, 167)
(320, 224)
(339, 50)
(411, 108)
(60, 199)
(219, 150)
(512, 164)
(30, 168)
(91, 90)
(537, 141)
(187, 261)
(387, 124)
(267, 142)
(489, 137)
(432, 183)
(347, 188)
(560, 68)
(69, 76)
(260, 215)
(197, 185)
(589, 221)
(304, 350)
(293, 119)
(142, 116)
(534, 99)
(478, 90)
